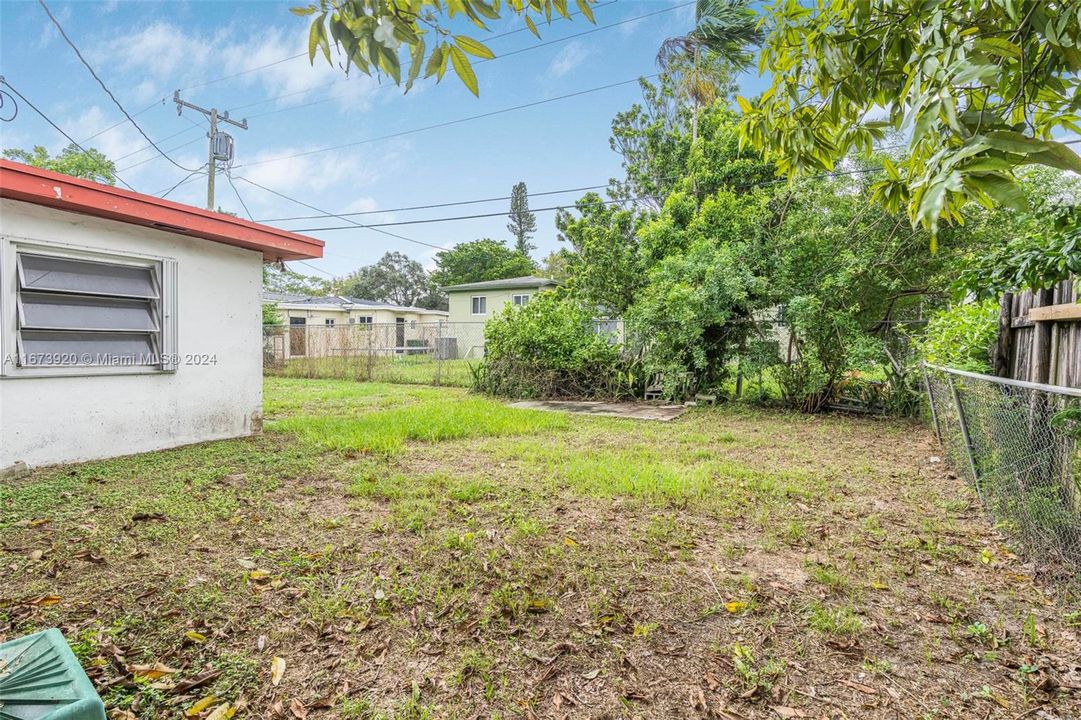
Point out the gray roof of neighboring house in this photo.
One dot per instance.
(527, 281)
(341, 302)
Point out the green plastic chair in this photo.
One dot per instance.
(40, 679)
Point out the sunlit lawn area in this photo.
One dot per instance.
(418, 552)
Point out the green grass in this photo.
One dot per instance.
(396, 527)
(384, 432)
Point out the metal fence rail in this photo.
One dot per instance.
(1015, 443)
(437, 353)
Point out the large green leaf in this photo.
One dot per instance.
(473, 47)
(464, 70)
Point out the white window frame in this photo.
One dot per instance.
(329, 322)
(473, 304)
(166, 275)
(366, 320)
(520, 299)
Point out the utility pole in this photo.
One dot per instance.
(220, 145)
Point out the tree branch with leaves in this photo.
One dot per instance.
(370, 35)
(978, 87)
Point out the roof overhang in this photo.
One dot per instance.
(62, 192)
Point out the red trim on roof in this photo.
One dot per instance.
(50, 189)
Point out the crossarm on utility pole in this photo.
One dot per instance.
(212, 160)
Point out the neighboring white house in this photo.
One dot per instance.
(128, 323)
(331, 325)
(478, 301)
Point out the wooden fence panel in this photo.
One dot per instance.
(1043, 350)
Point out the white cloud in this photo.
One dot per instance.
(49, 31)
(163, 56)
(568, 59)
(156, 52)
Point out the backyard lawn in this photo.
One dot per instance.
(408, 552)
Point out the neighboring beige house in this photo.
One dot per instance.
(336, 325)
(476, 302)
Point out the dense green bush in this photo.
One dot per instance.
(548, 349)
(961, 336)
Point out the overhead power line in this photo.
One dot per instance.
(453, 218)
(56, 127)
(165, 193)
(615, 201)
(121, 122)
(335, 82)
(229, 177)
(172, 149)
(320, 210)
(480, 62)
(436, 205)
(104, 86)
(448, 123)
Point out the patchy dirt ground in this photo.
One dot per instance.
(732, 563)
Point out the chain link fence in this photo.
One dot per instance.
(1016, 442)
(433, 353)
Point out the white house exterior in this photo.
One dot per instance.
(127, 323)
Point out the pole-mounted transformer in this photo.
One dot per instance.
(221, 147)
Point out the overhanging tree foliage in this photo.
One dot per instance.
(978, 88)
(89, 164)
(370, 34)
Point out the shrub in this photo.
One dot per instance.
(548, 349)
(961, 336)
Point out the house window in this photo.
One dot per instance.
(105, 312)
(520, 300)
(480, 305)
(329, 321)
(365, 320)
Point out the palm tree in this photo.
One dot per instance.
(719, 44)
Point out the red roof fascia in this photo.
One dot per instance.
(62, 192)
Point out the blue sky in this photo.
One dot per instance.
(144, 51)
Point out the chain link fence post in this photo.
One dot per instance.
(438, 350)
(1020, 443)
(931, 402)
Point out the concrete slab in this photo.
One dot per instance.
(630, 410)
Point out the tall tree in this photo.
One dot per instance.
(396, 279)
(522, 223)
(88, 164)
(978, 87)
(704, 58)
(480, 260)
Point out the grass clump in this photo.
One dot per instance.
(834, 620)
(384, 432)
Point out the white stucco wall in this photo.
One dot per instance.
(49, 420)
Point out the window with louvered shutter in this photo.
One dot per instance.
(78, 312)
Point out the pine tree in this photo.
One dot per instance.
(522, 223)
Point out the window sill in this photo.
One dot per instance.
(27, 373)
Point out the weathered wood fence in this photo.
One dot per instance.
(1039, 337)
